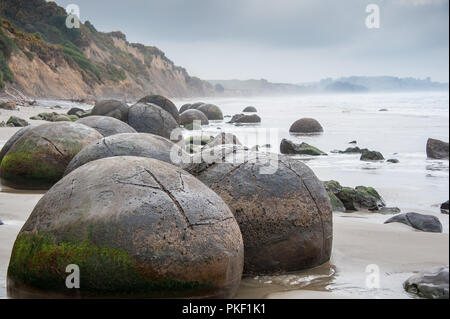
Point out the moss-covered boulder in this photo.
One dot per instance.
(289, 147)
(163, 103)
(13, 139)
(282, 208)
(106, 125)
(306, 126)
(38, 158)
(17, 122)
(111, 108)
(368, 155)
(150, 118)
(333, 188)
(135, 227)
(130, 144)
(212, 112)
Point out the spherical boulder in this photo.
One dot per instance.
(163, 103)
(135, 227)
(250, 109)
(282, 208)
(196, 105)
(111, 108)
(130, 144)
(306, 126)
(106, 125)
(189, 116)
(212, 112)
(150, 118)
(184, 108)
(245, 119)
(39, 157)
(13, 139)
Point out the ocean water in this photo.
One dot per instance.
(416, 184)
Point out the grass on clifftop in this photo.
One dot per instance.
(6, 47)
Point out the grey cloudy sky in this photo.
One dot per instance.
(284, 40)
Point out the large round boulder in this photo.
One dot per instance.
(282, 208)
(437, 149)
(106, 125)
(163, 103)
(134, 227)
(196, 105)
(130, 144)
(111, 108)
(212, 112)
(306, 126)
(250, 109)
(150, 118)
(184, 108)
(188, 117)
(245, 119)
(13, 139)
(40, 156)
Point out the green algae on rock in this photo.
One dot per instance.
(135, 227)
(39, 157)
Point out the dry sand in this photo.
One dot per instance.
(397, 250)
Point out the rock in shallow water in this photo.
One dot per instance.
(426, 223)
(445, 208)
(129, 144)
(371, 156)
(250, 109)
(282, 208)
(306, 126)
(437, 149)
(431, 284)
(136, 227)
(106, 125)
(39, 157)
(245, 119)
(289, 147)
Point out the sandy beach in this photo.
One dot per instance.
(361, 240)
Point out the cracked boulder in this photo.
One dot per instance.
(130, 144)
(164, 103)
(136, 228)
(38, 156)
(150, 118)
(106, 125)
(112, 108)
(282, 208)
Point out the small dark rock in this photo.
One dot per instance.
(242, 118)
(383, 110)
(430, 284)
(437, 149)
(371, 156)
(426, 223)
(289, 147)
(445, 208)
(250, 109)
(1, 223)
(74, 111)
(17, 122)
(353, 142)
(389, 210)
(393, 161)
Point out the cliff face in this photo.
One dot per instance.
(47, 59)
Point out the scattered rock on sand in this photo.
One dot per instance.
(150, 118)
(430, 284)
(223, 139)
(282, 208)
(112, 108)
(127, 144)
(389, 210)
(371, 156)
(212, 112)
(106, 125)
(10, 106)
(164, 103)
(245, 119)
(426, 223)
(306, 126)
(136, 227)
(250, 109)
(383, 110)
(437, 149)
(445, 208)
(39, 157)
(353, 142)
(355, 199)
(289, 147)
(17, 122)
(188, 117)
